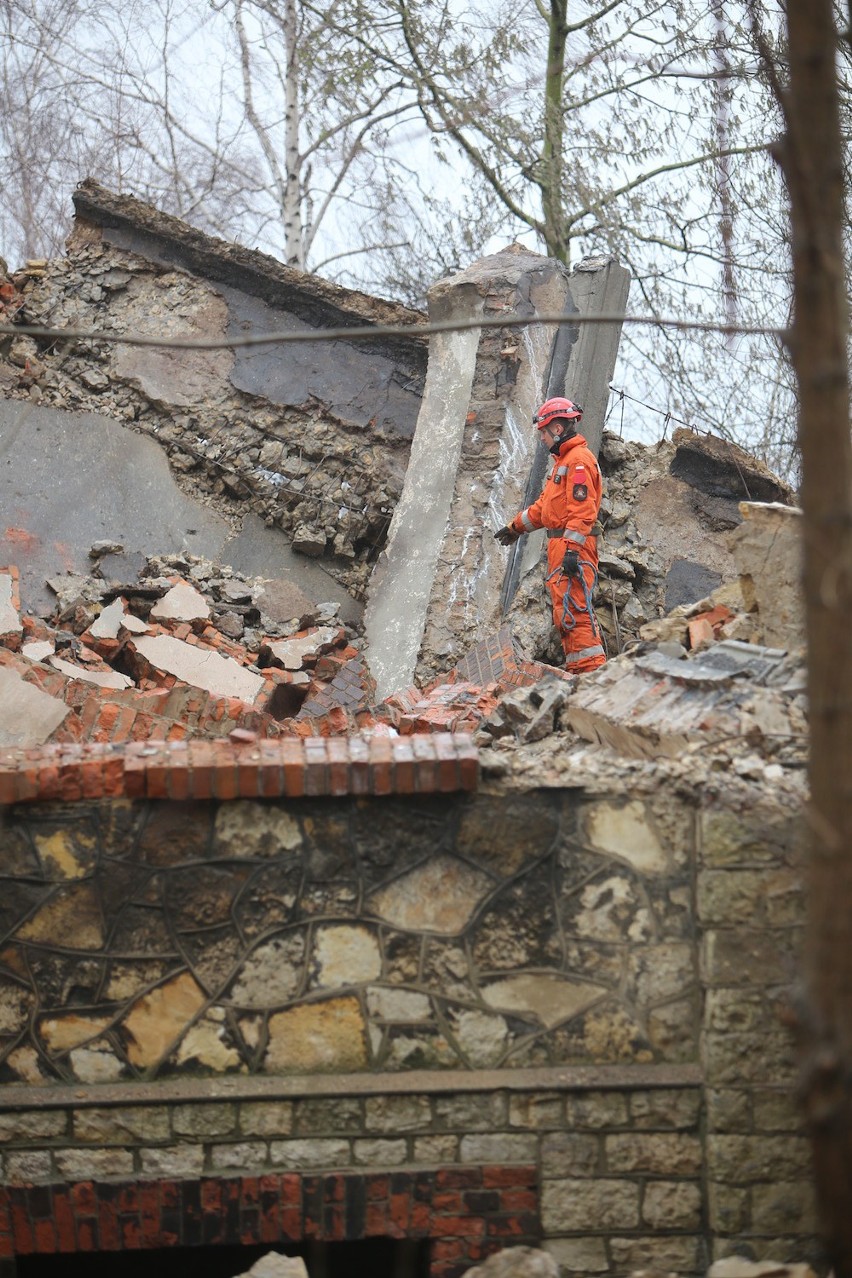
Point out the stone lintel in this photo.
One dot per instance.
(566, 1078)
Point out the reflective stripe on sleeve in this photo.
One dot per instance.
(527, 522)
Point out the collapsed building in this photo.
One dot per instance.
(335, 916)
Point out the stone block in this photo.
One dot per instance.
(665, 1153)
(300, 1154)
(739, 1011)
(665, 1108)
(467, 1112)
(330, 1116)
(759, 838)
(379, 1153)
(570, 1154)
(784, 1207)
(739, 1060)
(660, 972)
(93, 1164)
(27, 1167)
(431, 1151)
(728, 1110)
(742, 1160)
(581, 1205)
(748, 957)
(675, 1254)
(123, 1125)
(776, 1111)
(770, 896)
(767, 547)
(266, 1118)
(578, 1255)
(172, 1161)
(672, 1204)
(536, 1111)
(246, 1156)
(597, 1109)
(728, 1208)
(501, 1147)
(32, 1124)
(216, 1118)
(397, 1114)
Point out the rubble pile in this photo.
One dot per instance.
(185, 650)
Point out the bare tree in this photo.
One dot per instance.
(811, 153)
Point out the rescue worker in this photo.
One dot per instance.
(568, 508)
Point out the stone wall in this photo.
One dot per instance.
(567, 988)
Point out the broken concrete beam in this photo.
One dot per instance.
(767, 548)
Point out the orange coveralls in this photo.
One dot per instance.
(567, 508)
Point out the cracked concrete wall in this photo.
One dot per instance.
(311, 440)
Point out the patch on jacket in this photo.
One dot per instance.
(581, 488)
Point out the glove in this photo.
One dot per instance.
(571, 564)
(506, 536)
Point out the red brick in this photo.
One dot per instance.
(461, 1226)
(426, 764)
(108, 1228)
(87, 1235)
(24, 1240)
(515, 1200)
(376, 1220)
(293, 762)
(404, 767)
(448, 1249)
(510, 1177)
(337, 749)
(377, 1187)
(381, 772)
(149, 1214)
(44, 1234)
(449, 1200)
(291, 1223)
(458, 1178)
(84, 1201)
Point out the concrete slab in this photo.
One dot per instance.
(28, 716)
(221, 676)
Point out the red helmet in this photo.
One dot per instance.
(553, 408)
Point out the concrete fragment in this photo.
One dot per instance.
(28, 716)
(11, 628)
(182, 603)
(516, 1262)
(275, 1265)
(100, 678)
(201, 667)
(291, 654)
(38, 650)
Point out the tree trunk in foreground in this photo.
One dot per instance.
(812, 161)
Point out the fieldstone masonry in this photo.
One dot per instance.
(534, 1017)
